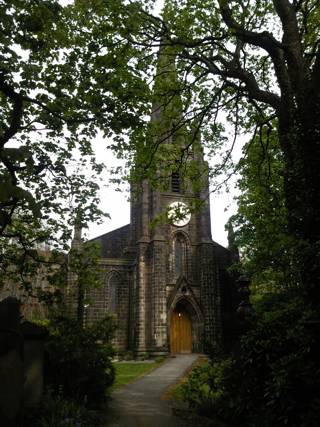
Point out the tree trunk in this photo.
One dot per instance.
(80, 303)
(300, 142)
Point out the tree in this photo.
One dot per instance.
(84, 274)
(261, 227)
(64, 80)
(259, 62)
(256, 64)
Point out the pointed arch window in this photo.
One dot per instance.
(180, 255)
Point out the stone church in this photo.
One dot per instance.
(167, 286)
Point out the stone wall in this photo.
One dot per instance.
(209, 295)
(158, 302)
(112, 298)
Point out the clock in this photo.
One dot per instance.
(179, 214)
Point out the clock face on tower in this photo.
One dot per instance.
(179, 214)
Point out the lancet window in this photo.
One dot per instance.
(179, 255)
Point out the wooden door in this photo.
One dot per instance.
(180, 332)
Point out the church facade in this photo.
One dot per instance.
(168, 285)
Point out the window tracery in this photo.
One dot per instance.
(179, 255)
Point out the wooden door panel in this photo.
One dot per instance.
(180, 332)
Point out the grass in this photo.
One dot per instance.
(126, 372)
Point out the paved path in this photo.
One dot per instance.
(139, 404)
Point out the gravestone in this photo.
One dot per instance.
(33, 356)
(11, 364)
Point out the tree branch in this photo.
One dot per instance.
(265, 40)
(232, 69)
(291, 43)
(16, 114)
(276, 50)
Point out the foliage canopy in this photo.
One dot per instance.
(65, 79)
(257, 65)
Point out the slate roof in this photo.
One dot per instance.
(114, 242)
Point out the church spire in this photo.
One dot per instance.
(167, 104)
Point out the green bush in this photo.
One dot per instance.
(78, 359)
(274, 380)
(56, 411)
(280, 376)
(205, 390)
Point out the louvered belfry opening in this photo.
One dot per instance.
(175, 182)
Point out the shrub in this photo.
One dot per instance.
(79, 359)
(56, 411)
(205, 390)
(280, 376)
(274, 380)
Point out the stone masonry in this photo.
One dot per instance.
(167, 283)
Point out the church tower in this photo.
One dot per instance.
(177, 290)
(165, 279)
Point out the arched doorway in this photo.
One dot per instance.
(180, 331)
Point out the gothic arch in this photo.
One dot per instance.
(179, 255)
(187, 301)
